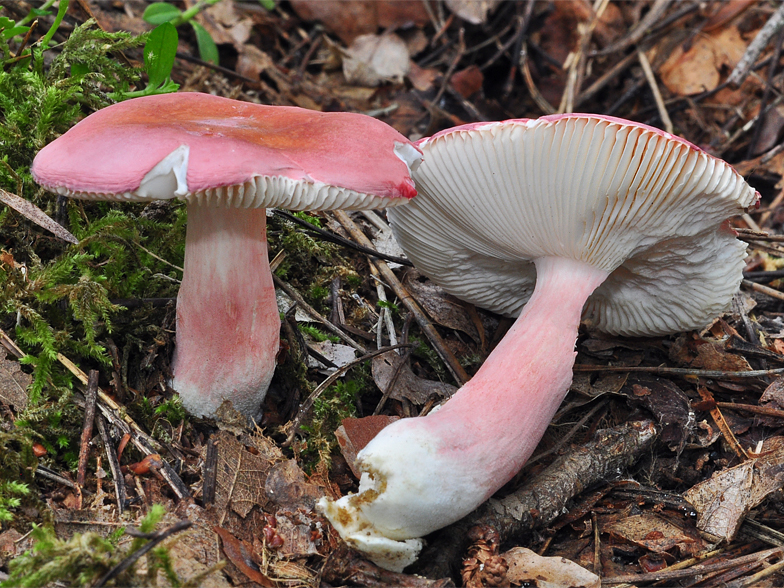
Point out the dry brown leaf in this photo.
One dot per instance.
(407, 385)
(724, 500)
(296, 529)
(354, 434)
(706, 354)
(239, 553)
(668, 403)
(467, 81)
(13, 382)
(241, 475)
(604, 384)
(36, 215)
(286, 487)
(473, 11)
(699, 69)
(444, 309)
(726, 12)
(349, 19)
(372, 60)
(525, 566)
(774, 393)
(8, 545)
(422, 78)
(656, 533)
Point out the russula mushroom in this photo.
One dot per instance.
(552, 219)
(228, 160)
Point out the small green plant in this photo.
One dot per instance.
(10, 498)
(336, 403)
(159, 13)
(393, 308)
(317, 334)
(86, 557)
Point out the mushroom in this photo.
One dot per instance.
(552, 219)
(228, 160)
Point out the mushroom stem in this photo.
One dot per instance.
(228, 325)
(421, 474)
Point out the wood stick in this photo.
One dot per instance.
(408, 301)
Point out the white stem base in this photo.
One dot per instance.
(421, 474)
(228, 324)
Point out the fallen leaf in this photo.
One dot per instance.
(526, 567)
(725, 498)
(349, 19)
(338, 354)
(372, 60)
(296, 529)
(354, 434)
(726, 12)
(286, 486)
(668, 403)
(473, 11)
(467, 81)
(8, 543)
(407, 385)
(699, 69)
(239, 553)
(241, 475)
(774, 393)
(31, 212)
(13, 382)
(443, 308)
(706, 354)
(656, 533)
(422, 78)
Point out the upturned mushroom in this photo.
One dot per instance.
(556, 219)
(228, 160)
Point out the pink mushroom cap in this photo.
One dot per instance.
(228, 160)
(230, 142)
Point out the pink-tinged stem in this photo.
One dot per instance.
(425, 473)
(227, 317)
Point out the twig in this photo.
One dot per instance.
(210, 476)
(544, 498)
(337, 239)
(763, 106)
(718, 418)
(577, 67)
(294, 295)
(304, 408)
(605, 79)
(400, 362)
(646, 68)
(647, 22)
(47, 473)
(452, 66)
(763, 410)
(87, 426)
(457, 370)
(766, 33)
(114, 465)
(540, 100)
(132, 558)
(767, 290)
(662, 370)
(565, 438)
(699, 569)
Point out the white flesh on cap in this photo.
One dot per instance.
(424, 473)
(577, 206)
